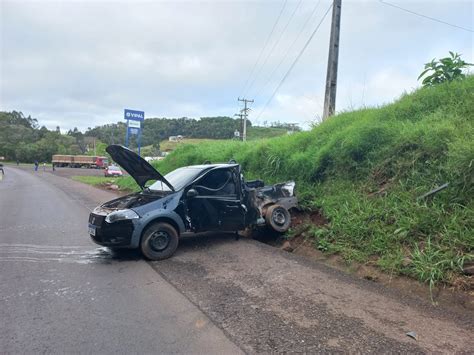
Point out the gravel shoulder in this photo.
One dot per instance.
(271, 301)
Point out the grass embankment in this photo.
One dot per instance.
(366, 171)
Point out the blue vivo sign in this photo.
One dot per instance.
(133, 127)
(133, 115)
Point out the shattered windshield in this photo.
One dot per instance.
(178, 178)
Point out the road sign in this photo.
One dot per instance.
(134, 122)
(133, 115)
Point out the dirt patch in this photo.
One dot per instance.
(460, 294)
(300, 218)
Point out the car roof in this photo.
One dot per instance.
(211, 166)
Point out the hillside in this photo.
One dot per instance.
(365, 170)
(252, 134)
(23, 139)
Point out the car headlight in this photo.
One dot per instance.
(121, 215)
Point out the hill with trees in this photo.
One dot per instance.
(23, 139)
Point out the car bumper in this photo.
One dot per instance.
(117, 234)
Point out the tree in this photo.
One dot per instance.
(443, 70)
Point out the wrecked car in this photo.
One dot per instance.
(198, 198)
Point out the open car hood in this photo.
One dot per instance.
(137, 167)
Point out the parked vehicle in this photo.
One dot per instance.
(79, 161)
(198, 198)
(112, 171)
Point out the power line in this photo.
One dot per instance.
(427, 17)
(289, 49)
(274, 45)
(295, 61)
(264, 46)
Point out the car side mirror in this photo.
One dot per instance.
(191, 193)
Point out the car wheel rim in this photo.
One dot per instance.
(159, 241)
(278, 217)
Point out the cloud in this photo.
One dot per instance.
(79, 63)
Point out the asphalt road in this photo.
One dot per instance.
(60, 293)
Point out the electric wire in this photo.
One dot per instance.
(274, 46)
(264, 47)
(258, 93)
(426, 17)
(295, 61)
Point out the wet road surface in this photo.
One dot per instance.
(64, 294)
(60, 293)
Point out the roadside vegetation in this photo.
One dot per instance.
(122, 183)
(366, 171)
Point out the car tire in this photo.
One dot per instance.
(278, 218)
(159, 241)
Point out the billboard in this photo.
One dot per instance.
(133, 115)
(134, 125)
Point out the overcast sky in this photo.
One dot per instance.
(80, 63)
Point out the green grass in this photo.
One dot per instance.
(124, 183)
(366, 170)
(254, 132)
(167, 145)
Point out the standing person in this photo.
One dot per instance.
(44, 166)
(17, 162)
(36, 165)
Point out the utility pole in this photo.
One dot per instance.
(245, 112)
(331, 78)
(241, 130)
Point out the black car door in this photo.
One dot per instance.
(217, 205)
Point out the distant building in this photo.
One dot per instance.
(175, 138)
(149, 159)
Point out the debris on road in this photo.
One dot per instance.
(287, 247)
(412, 335)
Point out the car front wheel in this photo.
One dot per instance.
(159, 241)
